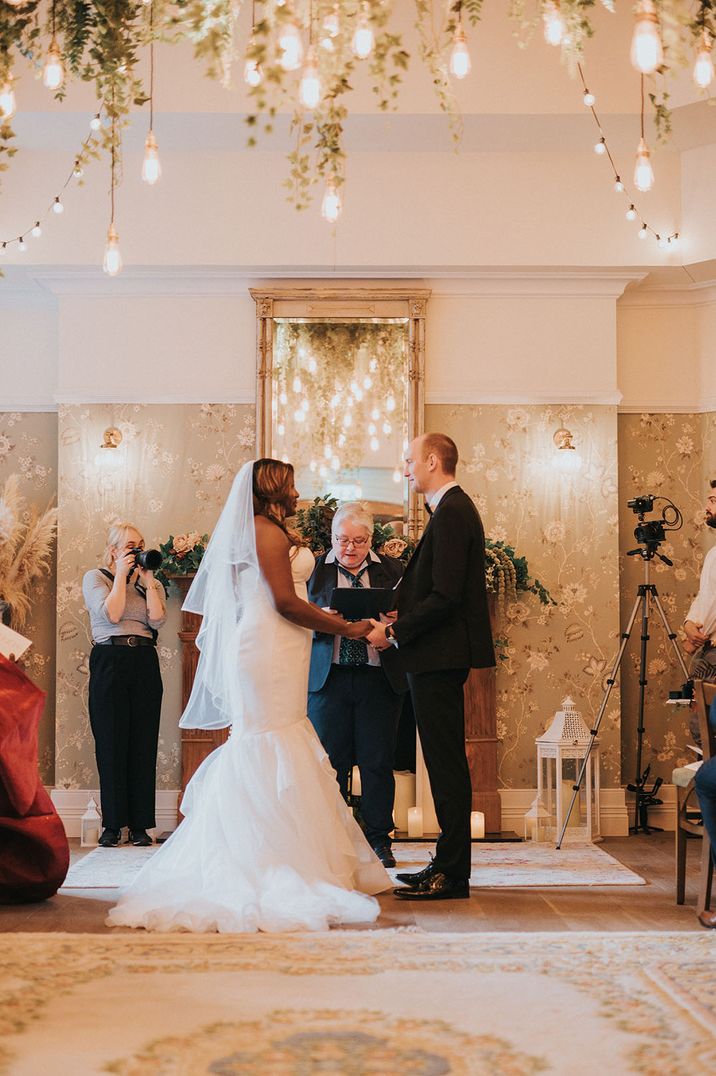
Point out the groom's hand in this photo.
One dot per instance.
(376, 636)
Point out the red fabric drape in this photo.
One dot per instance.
(34, 854)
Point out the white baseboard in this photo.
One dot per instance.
(615, 809)
(71, 804)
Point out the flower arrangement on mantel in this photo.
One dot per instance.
(182, 555)
(26, 537)
(506, 573)
(313, 523)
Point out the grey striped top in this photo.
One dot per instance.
(95, 588)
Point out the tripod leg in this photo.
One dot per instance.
(595, 730)
(639, 814)
(671, 635)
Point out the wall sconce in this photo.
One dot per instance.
(109, 456)
(567, 460)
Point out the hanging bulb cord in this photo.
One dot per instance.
(151, 66)
(642, 105)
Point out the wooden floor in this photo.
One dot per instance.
(607, 908)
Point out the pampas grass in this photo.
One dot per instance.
(26, 537)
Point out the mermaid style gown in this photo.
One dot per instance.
(267, 842)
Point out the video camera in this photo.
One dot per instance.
(652, 532)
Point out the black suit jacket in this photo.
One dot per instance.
(383, 573)
(443, 619)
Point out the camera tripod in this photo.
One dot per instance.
(646, 593)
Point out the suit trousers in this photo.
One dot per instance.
(439, 706)
(125, 697)
(356, 717)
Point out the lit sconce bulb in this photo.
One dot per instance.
(704, 66)
(331, 205)
(7, 100)
(390, 404)
(95, 123)
(646, 51)
(300, 416)
(643, 231)
(460, 64)
(297, 386)
(37, 230)
(78, 171)
(291, 46)
(554, 28)
(310, 88)
(397, 476)
(363, 38)
(53, 74)
(367, 382)
(252, 73)
(618, 185)
(600, 147)
(313, 466)
(630, 213)
(374, 444)
(151, 166)
(331, 23)
(387, 428)
(372, 428)
(57, 206)
(567, 460)
(643, 172)
(21, 244)
(112, 263)
(589, 99)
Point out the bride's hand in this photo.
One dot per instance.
(358, 629)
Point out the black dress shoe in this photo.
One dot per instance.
(139, 838)
(110, 838)
(437, 887)
(385, 854)
(417, 879)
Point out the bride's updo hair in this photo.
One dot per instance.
(273, 485)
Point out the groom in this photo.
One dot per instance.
(442, 631)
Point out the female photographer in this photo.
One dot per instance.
(126, 607)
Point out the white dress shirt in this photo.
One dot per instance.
(435, 498)
(364, 581)
(703, 607)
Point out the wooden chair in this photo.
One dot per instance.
(688, 813)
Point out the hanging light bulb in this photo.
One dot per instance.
(387, 428)
(372, 428)
(363, 38)
(300, 416)
(112, 263)
(390, 403)
(37, 230)
(95, 122)
(312, 365)
(630, 213)
(151, 165)
(704, 66)
(297, 385)
(375, 414)
(78, 171)
(331, 23)
(618, 185)
(600, 147)
(252, 73)
(7, 100)
(460, 64)
(331, 205)
(310, 89)
(589, 99)
(3, 249)
(646, 51)
(57, 206)
(643, 172)
(643, 231)
(21, 244)
(53, 74)
(367, 382)
(674, 240)
(374, 444)
(662, 242)
(554, 27)
(291, 46)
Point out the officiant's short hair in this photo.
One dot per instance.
(442, 446)
(353, 512)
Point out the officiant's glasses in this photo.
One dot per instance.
(357, 542)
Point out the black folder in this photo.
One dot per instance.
(362, 603)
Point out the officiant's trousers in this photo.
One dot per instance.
(125, 698)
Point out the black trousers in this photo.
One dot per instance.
(356, 717)
(439, 706)
(125, 698)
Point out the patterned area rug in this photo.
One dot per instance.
(494, 865)
(358, 1002)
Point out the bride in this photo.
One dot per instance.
(267, 842)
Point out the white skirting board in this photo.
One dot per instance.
(616, 809)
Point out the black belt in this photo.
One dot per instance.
(127, 640)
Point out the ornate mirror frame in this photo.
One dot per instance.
(342, 302)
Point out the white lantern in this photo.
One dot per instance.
(560, 753)
(536, 821)
(91, 825)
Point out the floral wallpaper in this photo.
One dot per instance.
(674, 456)
(567, 527)
(28, 448)
(176, 465)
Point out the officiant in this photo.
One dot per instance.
(351, 704)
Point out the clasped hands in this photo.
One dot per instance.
(373, 631)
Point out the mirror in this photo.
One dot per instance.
(340, 390)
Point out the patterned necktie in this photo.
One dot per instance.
(352, 651)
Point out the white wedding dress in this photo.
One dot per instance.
(267, 842)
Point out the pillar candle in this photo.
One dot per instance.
(477, 824)
(415, 822)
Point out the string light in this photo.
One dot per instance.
(331, 206)
(291, 47)
(647, 53)
(151, 165)
(363, 38)
(600, 147)
(252, 72)
(618, 185)
(112, 264)
(643, 231)
(589, 99)
(57, 206)
(78, 170)
(21, 244)
(630, 213)
(554, 26)
(704, 66)
(95, 122)
(460, 64)
(37, 230)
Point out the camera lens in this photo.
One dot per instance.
(149, 559)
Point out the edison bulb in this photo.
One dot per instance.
(252, 73)
(600, 147)
(53, 74)
(112, 263)
(363, 38)
(372, 428)
(589, 99)
(312, 365)
(292, 48)
(57, 206)
(331, 205)
(374, 444)
(704, 66)
(646, 51)
(331, 23)
(630, 213)
(367, 382)
(95, 123)
(387, 428)
(643, 232)
(460, 64)
(310, 89)
(297, 386)
(375, 414)
(37, 230)
(151, 165)
(618, 185)
(21, 245)
(7, 101)
(554, 27)
(390, 404)
(643, 172)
